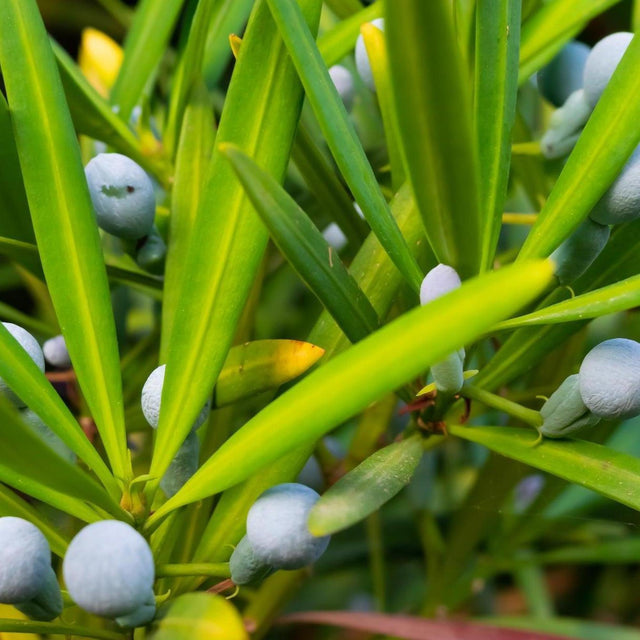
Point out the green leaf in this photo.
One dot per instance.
(254, 367)
(604, 146)
(14, 209)
(616, 297)
(24, 377)
(30, 465)
(230, 17)
(551, 27)
(496, 88)
(594, 466)
(192, 160)
(93, 116)
(569, 627)
(201, 616)
(433, 103)
(229, 239)
(344, 8)
(144, 47)
(341, 136)
(382, 362)
(304, 247)
(56, 628)
(63, 219)
(366, 488)
(326, 186)
(618, 551)
(336, 43)
(11, 504)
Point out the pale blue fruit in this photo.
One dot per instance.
(565, 126)
(448, 373)
(564, 412)
(152, 397)
(143, 615)
(343, 82)
(563, 75)
(441, 280)
(621, 202)
(602, 62)
(245, 567)
(277, 527)
(576, 254)
(31, 346)
(182, 467)
(151, 255)
(122, 195)
(335, 237)
(610, 379)
(109, 569)
(362, 57)
(25, 560)
(55, 352)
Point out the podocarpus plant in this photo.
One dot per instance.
(162, 203)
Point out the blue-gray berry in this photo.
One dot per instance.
(151, 255)
(47, 604)
(152, 398)
(277, 527)
(245, 567)
(441, 280)
(122, 195)
(602, 62)
(25, 560)
(563, 75)
(31, 346)
(109, 569)
(621, 202)
(610, 379)
(182, 467)
(565, 126)
(362, 57)
(55, 352)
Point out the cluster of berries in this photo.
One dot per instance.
(574, 81)
(108, 570)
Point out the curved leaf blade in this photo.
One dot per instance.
(594, 466)
(434, 117)
(496, 89)
(616, 297)
(304, 247)
(366, 488)
(387, 359)
(63, 219)
(341, 135)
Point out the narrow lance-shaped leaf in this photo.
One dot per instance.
(496, 88)
(304, 247)
(144, 46)
(608, 139)
(23, 376)
(11, 504)
(14, 210)
(29, 464)
(434, 116)
(594, 466)
(341, 136)
(260, 365)
(63, 219)
(382, 362)
(228, 237)
(616, 297)
(366, 488)
(192, 160)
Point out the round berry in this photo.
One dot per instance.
(563, 75)
(343, 82)
(55, 352)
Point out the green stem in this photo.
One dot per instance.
(55, 628)
(376, 558)
(514, 409)
(211, 569)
